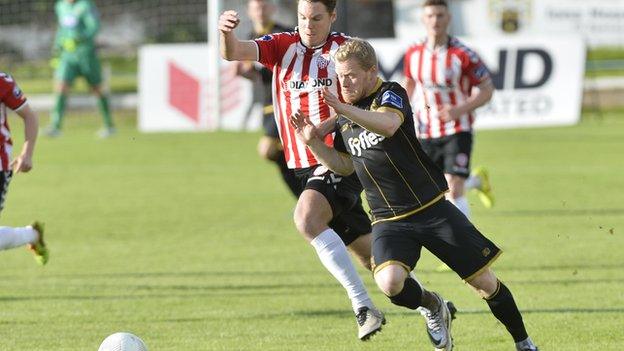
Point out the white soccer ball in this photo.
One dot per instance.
(122, 342)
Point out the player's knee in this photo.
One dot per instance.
(485, 283)
(306, 223)
(390, 280)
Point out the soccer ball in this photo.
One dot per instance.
(122, 342)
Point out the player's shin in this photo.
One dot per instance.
(335, 257)
(504, 308)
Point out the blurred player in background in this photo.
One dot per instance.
(376, 140)
(74, 55)
(269, 147)
(329, 212)
(446, 82)
(12, 97)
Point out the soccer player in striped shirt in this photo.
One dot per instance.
(329, 212)
(376, 140)
(12, 97)
(446, 82)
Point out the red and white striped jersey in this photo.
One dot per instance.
(444, 76)
(10, 96)
(299, 75)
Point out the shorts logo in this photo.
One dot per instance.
(364, 141)
(486, 252)
(461, 160)
(320, 170)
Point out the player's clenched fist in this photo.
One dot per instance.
(228, 21)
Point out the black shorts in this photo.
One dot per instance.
(444, 231)
(5, 180)
(269, 125)
(450, 153)
(349, 221)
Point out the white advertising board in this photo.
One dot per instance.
(538, 80)
(599, 22)
(175, 86)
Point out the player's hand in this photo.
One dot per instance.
(450, 113)
(304, 129)
(23, 163)
(228, 21)
(333, 101)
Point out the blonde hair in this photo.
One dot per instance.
(357, 49)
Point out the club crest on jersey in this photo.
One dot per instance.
(448, 74)
(266, 37)
(364, 141)
(322, 62)
(390, 97)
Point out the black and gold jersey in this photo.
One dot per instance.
(398, 177)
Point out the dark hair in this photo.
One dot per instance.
(435, 3)
(330, 4)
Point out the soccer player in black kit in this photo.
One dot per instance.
(269, 147)
(405, 191)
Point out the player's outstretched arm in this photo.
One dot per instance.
(384, 123)
(23, 162)
(233, 49)
(305, 131)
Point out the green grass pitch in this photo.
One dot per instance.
(187, 241)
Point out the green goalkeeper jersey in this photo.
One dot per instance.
(78, 24)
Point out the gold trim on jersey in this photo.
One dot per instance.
(390, 109)
(407, 214)
(391, 262)
(486, 266)
(419, 160)
(378, 187)
(377, 86)
(402, 177)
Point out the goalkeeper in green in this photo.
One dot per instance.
(74, 55)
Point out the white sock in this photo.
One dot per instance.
(462, 204)
(472, 182)
(335, 257)
(14, 237)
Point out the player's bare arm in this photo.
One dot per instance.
(409, 85)
(23, 162)
(480, 96)
(308, 133)
(233, 49)
(383, 122)
(326, 127)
